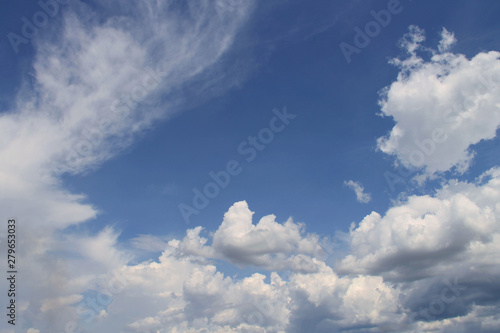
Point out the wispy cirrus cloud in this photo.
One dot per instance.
(100, 80)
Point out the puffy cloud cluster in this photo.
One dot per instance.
(183, 293)
(267, 244)
(448, 239)
(428, 265)
(429, 234)
(441, 107)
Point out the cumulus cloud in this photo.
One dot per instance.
(445, 244)
(184, 294)
(414, 269)
(268, 244)
(441, 106)
(427, 234)
(358, 189)
(429, 264)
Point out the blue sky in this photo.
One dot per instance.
(227, 68)
(332, 140)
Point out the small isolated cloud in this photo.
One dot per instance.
(361, 196)
(441, 107)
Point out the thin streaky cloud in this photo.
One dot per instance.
(359, 190)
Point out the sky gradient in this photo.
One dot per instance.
(252, 166)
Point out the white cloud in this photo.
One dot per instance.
(93, 247)
(150, 243)
(429, 235)
(32, 330)
(97, 85)
(441, 107)
(361, 196)
(440, 248)
(406, 260)
(203, 298)
(55, 303)
(447, 40)
(267, 244)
